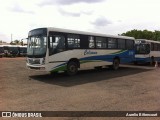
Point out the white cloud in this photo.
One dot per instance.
(101, 21)
(73, 14)
(4, 37)
(18, 8)
(67, 2)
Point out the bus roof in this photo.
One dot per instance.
(86, 33)
(12, 46)
(23, 46)
(151, 41)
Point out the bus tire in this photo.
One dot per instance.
(116, 63)
(135, 62)
(98, 68)
(152, 61)
(72, 68)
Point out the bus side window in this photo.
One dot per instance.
(112, 43)
(101, 42)
(51, 41)
(155, 47)
(129, 44)
(60, 43)
(152, 46)
(57, 44)
(91, 42)
(158, 47)
(73, 41)
(121, 44)
(148, 48)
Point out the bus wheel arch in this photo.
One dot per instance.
(72, 66)
(116, 62)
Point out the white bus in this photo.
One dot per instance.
(11, 50)
(1, 51)
(147, 51)
(54, 50)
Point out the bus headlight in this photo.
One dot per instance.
(27, 60)
(43, 60)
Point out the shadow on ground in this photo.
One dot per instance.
(86, 76)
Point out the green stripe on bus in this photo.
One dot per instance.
(118, 52)
(64, 67)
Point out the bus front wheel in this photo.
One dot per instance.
(72, 68)
(115, 65)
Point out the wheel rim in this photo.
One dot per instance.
(72, 69)
(116, 64)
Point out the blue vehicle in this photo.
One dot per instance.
(147, 51)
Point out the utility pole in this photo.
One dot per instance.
(11, 37)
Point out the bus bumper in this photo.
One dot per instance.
(36, 67)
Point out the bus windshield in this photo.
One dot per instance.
(37, 46)
(142, 49)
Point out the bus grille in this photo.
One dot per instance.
(34, 61)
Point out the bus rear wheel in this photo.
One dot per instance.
(152, 62)
(72, 68)
(115, 65)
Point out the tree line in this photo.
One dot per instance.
(16, 42)
(143, 34)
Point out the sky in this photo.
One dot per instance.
(111, 17)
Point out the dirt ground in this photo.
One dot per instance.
(131, 88)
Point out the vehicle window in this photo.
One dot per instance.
(73, 41)
(129, 44)
(121, 44)
(101, 42)
(91, 42)
(155, 46)
(152, 46)
(57, 44)
(112, 43)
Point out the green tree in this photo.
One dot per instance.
(145, 34)
(15, 42)
(157, 35)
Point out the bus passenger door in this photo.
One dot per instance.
(56, 44)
